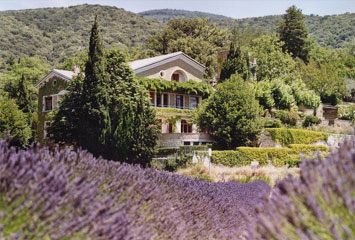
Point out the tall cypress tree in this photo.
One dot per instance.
(107, 112)
(293, 32)
(236, 61)
(95, 98)
(134, 132)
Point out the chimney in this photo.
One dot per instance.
(76, 69)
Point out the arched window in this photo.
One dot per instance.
(178, 76)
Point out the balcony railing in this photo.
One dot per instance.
(190, 107)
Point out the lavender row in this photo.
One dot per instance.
(318, 205)
(71, 195)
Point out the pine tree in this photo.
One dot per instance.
(236, 61)
(293, 32)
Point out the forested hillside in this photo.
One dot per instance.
(336, 31)
(55, 33)
(166, 15)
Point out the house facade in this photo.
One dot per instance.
(174, 107)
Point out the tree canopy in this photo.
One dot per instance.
(197, 38)
(272, 62)
(236, 62)
(294, 34)
(231, 114)
(13, 122)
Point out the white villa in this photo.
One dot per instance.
(173, 108)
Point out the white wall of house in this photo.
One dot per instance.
(166, 71)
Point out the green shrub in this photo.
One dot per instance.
(164, 152)
(247, 179)
(277, 156)
(311, 120)
(204, 177)
(272, 123)
(286, 136)
(243, 156)
(229, 158)
(167, 151)
(287, 117)
(347, 112)
(307, 149)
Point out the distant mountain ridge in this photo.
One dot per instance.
(166, 15)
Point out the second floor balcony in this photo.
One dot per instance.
(174, 100)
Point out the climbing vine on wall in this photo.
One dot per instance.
(190, 87)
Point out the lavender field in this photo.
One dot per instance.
(71, 195)
(68, 195)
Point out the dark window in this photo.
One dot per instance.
(186, 127)
(193, 102)
(48, 106)
(187, 143)
(160, 124)
(179, 101)
(170, 128)
(196, 143)
(152, 98)
(158, 99)
(175, 77)
(166, 100)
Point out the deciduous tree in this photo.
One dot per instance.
(271, 61)
(231, 114)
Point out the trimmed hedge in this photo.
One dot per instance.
(229, 158)
(307, 149)
(277, 156)
(179, 150)
(287, 136)
(243, 156)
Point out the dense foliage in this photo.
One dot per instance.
(237, 62)
(317, 205)
(289, 118)
(272, 62)
(311, 120)
(325, 79)
(197, 38)
(17, 82)
(287, 136)
(13, 123)
(285, 93)
(56, 33)
(189, 87)
(294, 34)
(347, 112)
(333, 31)
(108, 112)
(231, 114)
(165, 15)
(278, 157)
(71, 195)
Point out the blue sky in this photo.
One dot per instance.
(231, 8)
